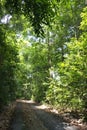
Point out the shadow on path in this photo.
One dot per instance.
(40, 118)
(17, 122)
(50, 120)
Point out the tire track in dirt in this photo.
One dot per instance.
(17, 122)
(31, 116)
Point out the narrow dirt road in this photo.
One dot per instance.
(17, 122)
(30, 116)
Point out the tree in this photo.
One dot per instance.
(8, 67)
(37, 11)
(73, 70)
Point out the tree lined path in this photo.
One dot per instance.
(43, 57)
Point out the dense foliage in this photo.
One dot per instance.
(38, 12)
(8, 67)
(12, 21)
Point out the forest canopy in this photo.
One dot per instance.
(38, 12)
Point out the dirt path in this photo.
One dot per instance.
(50, 120)
(30, 116)
(17, 122)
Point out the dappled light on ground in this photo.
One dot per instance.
(51, 118)
(29, 115)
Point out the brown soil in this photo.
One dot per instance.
(28, 115)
